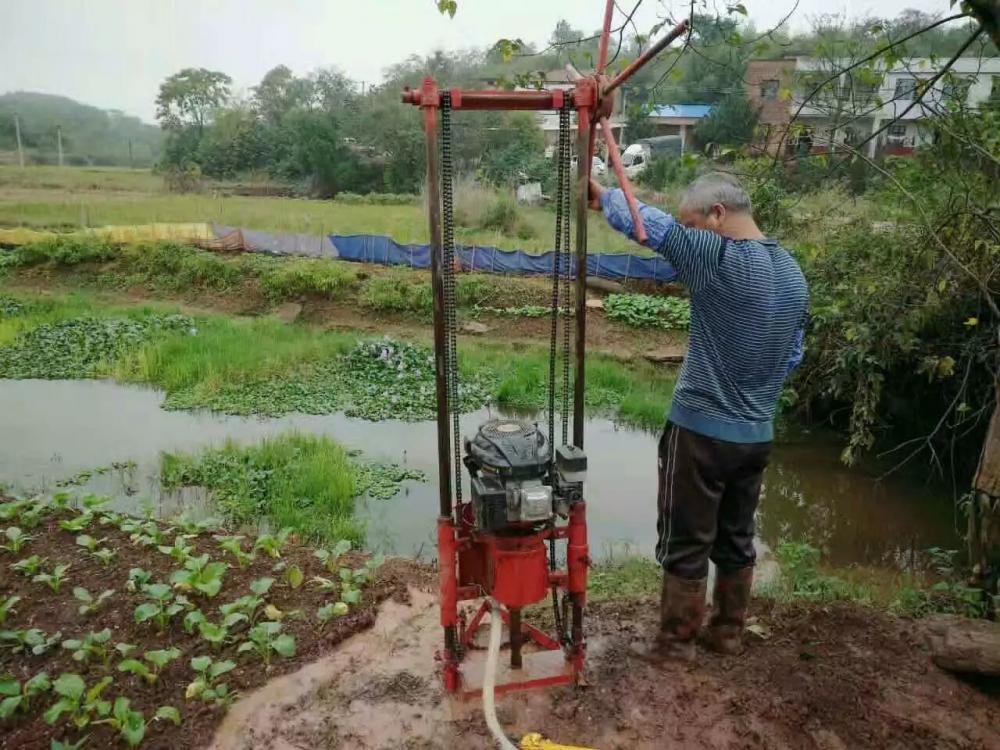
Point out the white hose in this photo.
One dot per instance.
(490, 678)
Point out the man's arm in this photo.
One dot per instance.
(695, 254)
(798, 350)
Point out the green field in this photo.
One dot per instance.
(44, 197)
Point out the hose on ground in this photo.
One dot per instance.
(490, 678)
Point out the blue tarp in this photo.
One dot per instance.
(369, 248)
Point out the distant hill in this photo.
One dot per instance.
(90, 136)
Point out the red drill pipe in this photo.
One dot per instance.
(464, 99)
(602, 54)
(645, 57)
(616, 162)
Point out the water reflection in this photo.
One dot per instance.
(54, 429)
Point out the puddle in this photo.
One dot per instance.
(52, 430)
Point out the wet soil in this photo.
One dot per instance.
(57, 613)
(826, 677)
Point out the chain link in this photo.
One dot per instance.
(448, 260)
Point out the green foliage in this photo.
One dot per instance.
(272, 544)
(200, 576)
(88, 603)
(32, 640)
(802, 577)
(53, 579)
(667, 171)
(376, 199)
(130, 724)
(265, 640)
(206, 685)
(730, 123)
(91, 645)
(7, 604)
(161, 605)
(395, 291)
(950, 594)
(71, 250)
(234, 546)
(16, 539)
(645, 311)
(82, 705)
(28, 566)
(157, 662)
(300, 277)
(330, 611)
(82, 347)
(16, 697)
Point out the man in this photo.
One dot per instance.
(748, 309)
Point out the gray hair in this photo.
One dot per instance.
(716, 187)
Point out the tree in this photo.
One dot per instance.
(188, 98)
(730, 123)
(279, 92)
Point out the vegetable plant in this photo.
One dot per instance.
(646, 311)
(206, 686)
(32, 516)
(16, 696)
(89, 543)
(200, 575)
(216, 634)
(92, 502)
(88, 603)
(67, 745)
(77, 524)
(12, 508)
(158, 660)
(105, 555)
(330, 611)
(138, 579)
(272, 544)
(234, 546)
(16, 539)
(193, 528)
(7, 604)
(33, 640)
(82, 705)
(29, 566)
(331, 557)
(130, 724)
(180, 551)
(324, 584)
(266, 639)
(91, 645)
(294, 576)
(162, 605)
(192, 620)
(54, 579)
(148, 534)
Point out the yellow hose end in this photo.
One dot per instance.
(535, 741)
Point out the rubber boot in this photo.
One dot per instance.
(682, 608)
(730, 602)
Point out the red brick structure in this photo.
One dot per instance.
(766, 80)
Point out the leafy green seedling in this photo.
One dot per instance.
(331, 557)
(125, 649)
(29, 566)
(82, 705)
(130, 724)
(192, 619)
(331, 611)
(272, 544)
(89, 543)
(192, 527)
(294, 576)
(16, 539)
(324, 584)
(88, 603)
(91, 502)
(32, 640)
(200, 575)
(206, 686)
(161, 607)
(77, 524)
(53, 580)
(266, 639)
(214, 634)
(92, 644)
(234, 546)
(168, 713)
(68, 745)
(180, 551)
(13, 508)
(158, 660)
(16, 696)
(148, 534)
(261, 586)
(138, 579)
(105, 555)
(62, 500)
(7, 604)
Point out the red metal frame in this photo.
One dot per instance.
(513, 569)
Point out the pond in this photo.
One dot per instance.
(55, 429)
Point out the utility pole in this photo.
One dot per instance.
(17, 131)
(59, 141)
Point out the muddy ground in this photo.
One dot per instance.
(825, 677)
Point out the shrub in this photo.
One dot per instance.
(645, 311)
(396, 291)
(501, 216)
(65, 251)
(300, 277)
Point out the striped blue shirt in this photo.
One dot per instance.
(748, 311)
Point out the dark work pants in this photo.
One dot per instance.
(708, 494)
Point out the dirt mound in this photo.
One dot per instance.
(828, 678)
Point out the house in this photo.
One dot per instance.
(859, 103)
(560, 79)
(678, 119)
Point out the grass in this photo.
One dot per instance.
(297, 481)
(263, 366)
(52, 197)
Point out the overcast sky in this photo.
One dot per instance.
(115, 53)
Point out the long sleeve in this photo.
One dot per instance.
(798, 350)
(695, 254)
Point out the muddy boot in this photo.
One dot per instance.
(730, 602)
(682, 608)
